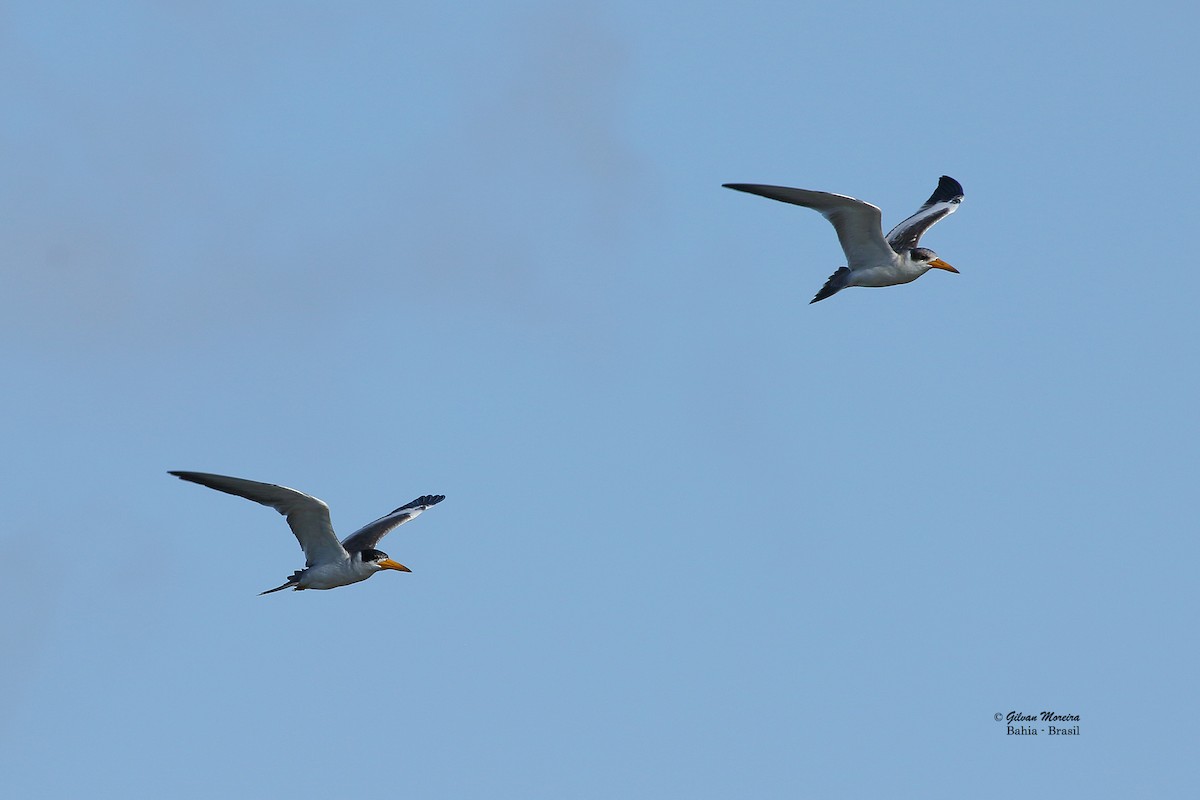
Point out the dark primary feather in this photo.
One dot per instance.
(947, 189)
(424, 501)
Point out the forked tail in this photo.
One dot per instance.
(837, 282)
(292, 583)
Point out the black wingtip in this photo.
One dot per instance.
(424, 500)
(749, 188)
(947, 190)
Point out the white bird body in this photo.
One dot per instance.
(328, 562)
(903, 269)
(336, 573)
(871, 259)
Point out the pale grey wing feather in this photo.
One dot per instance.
(858, 224)
(366, 537)
(307, 516)
(943, 202)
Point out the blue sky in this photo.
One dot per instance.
(700, 539)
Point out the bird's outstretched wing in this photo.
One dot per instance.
(943, 201)
(307, 516)
(366, 537)
(858, 224)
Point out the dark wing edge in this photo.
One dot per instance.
(369, 535)
(784, 194)
(944, 200)
(423, 502)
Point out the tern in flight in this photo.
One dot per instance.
(328, 562)
(872, 260)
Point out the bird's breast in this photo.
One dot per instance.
(330, 576)
(886, 275)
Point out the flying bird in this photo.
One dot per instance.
(328, 562)
(872, 260)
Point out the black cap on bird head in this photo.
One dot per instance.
(381, 558)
